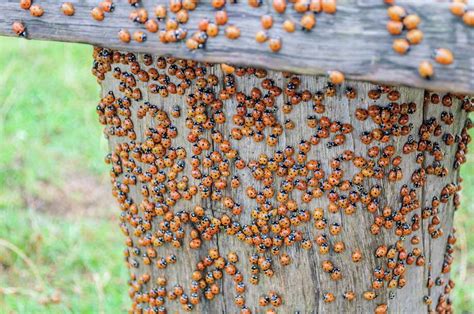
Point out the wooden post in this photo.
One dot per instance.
(354, 186)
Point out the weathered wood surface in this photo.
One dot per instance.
(303, 283)
(354, 40)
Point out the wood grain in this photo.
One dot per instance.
(353, 41)
(303, 283)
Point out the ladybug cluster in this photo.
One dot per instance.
(400, 20)
(459, 8)
(205, 157)
(169, 22)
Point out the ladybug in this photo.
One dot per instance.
(336, 274)
(67, 8)
(468, 18)
(36, 10)
(139, 36)
(396, 13)
(124, 35)
(411, 21)
(369, 295)
(401, 46)
(328, 297)
(212, 30)
(266, 21)
(394, 27)
(232, 32)
(349, 295)
(457, 8)
(97, 14)
(356, 256)
(19, 29)
(239, 300)
(182, 16)
(329, 6)
(25, 4)
(279, 6)
(160, 12)
(324, 248)
(335, 228)
(275, 299)
(218, 4)
(339, 247)
(175, 5)
(381, 251)
(427, 300)
(289, 26)
(381, 309)
(255, 3)
(377, 284)
(106, 6)
(336, 77)
(151, 26)
(327, 266)
(264, 300)
(425, 69)
(274, 44)
(308, 21)
(443, 56)
(221, 18)
(306, 244)
(415, 36)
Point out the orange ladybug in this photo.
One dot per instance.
(336, 77)
(279, 6)
(329, 6)
(468, 18)
(401, 46)
(261, 36)
(97, 14)
(457, 8)
(274, 44)
(36, 10)
(19, 29)
(426, 70)
(139, 36)
(25, 4)
(232, 32)
(443, 56)
(289, 26)
(308, 21)
(67, 8)
(124, 36)
(151, 26)
(394, 27)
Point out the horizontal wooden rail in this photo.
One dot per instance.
(354, 40)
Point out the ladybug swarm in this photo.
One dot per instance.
(189, 187)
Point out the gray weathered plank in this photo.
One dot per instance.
(354, 40)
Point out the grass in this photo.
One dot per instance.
(78, 265)
(464, 256)
(49, 136)
(47, 115)
(48, 133)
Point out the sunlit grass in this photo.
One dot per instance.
(48, 125)
(79, 264)
(47, 116)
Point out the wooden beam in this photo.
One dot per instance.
(303, 283)
(354, 40)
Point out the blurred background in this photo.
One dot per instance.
(60, 244)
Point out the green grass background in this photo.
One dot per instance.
(60, 257)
